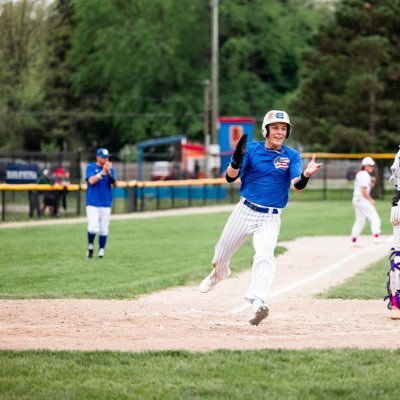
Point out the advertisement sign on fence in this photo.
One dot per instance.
(22, 173)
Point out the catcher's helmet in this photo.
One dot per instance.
(367, 161)
(273, 117)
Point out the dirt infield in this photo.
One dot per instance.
(183, 318)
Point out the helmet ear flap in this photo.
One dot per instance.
(289, 131)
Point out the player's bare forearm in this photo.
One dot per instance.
(99, 176)
(232, 173)
(95, 178)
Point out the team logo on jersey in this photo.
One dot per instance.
(281, 163)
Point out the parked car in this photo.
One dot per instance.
(162, 171)
(352, 171)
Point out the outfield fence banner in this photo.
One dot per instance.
(21, 173)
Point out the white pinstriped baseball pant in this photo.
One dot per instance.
(394, 275)
(395, 221)
(265, 229)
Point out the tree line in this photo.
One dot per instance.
(79, 74)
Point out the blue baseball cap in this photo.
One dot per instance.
(103, 153)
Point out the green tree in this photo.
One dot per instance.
(99, 72)
(60, 107)
(261, 45)
(147, 58)
(22, 70)
(348, 100)
(150, 58)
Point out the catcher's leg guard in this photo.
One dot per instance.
(393, 284)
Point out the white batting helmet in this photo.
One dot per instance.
(367, 161)
(273, 117)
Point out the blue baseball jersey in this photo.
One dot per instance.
(266, 174)
(99, 194)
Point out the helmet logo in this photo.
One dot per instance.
(280, 115)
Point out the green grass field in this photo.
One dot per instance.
(147, 255)
(222, 375)
(142, 255)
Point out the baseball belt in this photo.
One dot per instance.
(266, 210)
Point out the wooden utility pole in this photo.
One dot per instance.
(206, 126)
(214, 71)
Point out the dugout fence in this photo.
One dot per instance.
(333, 182)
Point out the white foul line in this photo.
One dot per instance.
(317, 275)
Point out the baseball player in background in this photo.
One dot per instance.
(100, 177)
(267, 169)
(363, 203)
(393, 285)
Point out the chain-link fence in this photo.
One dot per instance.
(334, 181)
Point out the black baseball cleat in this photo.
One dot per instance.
(89, 253)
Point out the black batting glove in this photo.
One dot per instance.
(237, 157)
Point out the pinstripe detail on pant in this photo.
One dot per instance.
(396, 237)
(395, 221)
(265, 229)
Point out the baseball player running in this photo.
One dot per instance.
(393, 284)
(363, 203)
(267, 169)
(100, 177)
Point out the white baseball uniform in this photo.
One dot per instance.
(363, 208)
